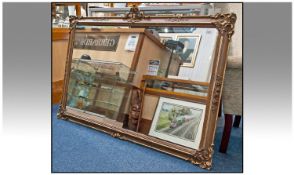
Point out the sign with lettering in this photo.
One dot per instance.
(153, 67)
(102, 42)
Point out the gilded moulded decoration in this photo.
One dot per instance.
(225, 23)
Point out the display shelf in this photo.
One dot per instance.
(178, 95)
(175, 88)
(105, 71)
(151, 77)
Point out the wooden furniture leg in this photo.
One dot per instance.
(237, 121)
(226, 133)
(220, 108)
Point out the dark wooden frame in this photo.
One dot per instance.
(224, 23)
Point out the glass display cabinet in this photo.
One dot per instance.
(99, 88)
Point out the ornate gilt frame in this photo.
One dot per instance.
(224, 23)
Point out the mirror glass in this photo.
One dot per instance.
(180, 87)
(108, 62)
(99, 87)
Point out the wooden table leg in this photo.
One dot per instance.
(226, 133)
(237, 121)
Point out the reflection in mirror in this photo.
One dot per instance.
(99, 87)
(179, 87)
(198, 52)
(109, 62)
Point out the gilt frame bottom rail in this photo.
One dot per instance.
(202, 157)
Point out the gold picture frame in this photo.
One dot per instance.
(202, 156)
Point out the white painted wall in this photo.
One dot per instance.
(235, 47)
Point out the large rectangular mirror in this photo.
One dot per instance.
(155, 81)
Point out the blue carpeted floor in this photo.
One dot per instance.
(76, 148)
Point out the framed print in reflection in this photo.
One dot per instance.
(191, 45)
(178, 121)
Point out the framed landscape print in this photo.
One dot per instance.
(178, 121)
(191, 45)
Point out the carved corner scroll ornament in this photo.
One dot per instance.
(203, 157)
(135, 15)
(60, 113)
(73, 20)
(116, 135)
(217, 91)
(119, 136)
(225, 23)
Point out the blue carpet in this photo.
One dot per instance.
(76, 148)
